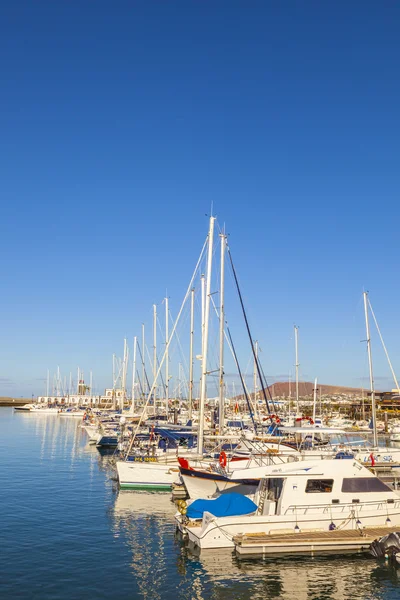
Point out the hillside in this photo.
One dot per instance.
(306, 388)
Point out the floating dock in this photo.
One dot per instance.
(309, 542)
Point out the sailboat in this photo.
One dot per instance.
(157, 467)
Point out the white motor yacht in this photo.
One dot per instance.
(307, 496)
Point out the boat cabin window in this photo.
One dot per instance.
(364, 484)
(318, 486)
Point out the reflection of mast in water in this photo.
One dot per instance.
(145, 520)
(75, 444)
(57, 437)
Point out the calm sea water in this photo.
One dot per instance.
(67, 534)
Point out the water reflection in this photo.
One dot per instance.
(144, 520)
(322, 578)
(161, 559)
(125, 544)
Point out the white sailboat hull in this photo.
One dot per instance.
(147, 475)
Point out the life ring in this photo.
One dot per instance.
(222, 459)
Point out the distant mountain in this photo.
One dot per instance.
(306, 388)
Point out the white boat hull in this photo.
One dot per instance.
(77, 414)
(147, 475)
(215, 532)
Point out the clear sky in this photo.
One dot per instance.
(122, 121)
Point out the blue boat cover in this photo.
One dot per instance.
(226, 505)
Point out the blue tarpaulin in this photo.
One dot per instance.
(226, 505)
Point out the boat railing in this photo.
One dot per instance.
(357, 507)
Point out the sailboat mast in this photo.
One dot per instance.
(155, 349)
(124, 368)
(362, 404)
(221, 336)
(203, 383)
(315, 400)
(190, 400)
(255, 379)
(296, 334)
(143, 363)
(203, 296)
(134, 375)
(371, 375)
(166, 357)
(113, 388)
(154, 341)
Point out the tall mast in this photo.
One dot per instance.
(58, 381)
(48, 383)
(203, 383)
(362, 404)
(134, 375)
(290, 391)
(255, 379)
(221, 336)
(143, 365)
(166, 357)
(315, 400)
(154, 341)
(91, 385)
(203, 303)
(320, 400)
(190, 400)
(296, 334)
(371, 375)
(124, 365)
(77, 381)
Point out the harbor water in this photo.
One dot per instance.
(67, 533)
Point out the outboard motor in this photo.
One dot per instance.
(387, 546)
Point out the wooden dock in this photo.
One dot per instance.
(309, 541)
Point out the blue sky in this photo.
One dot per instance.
(121, 123)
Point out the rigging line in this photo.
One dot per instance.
(248, 331)
(161, 330)
(241, 379)
(227, 339)
(161, 376)
(149, 357)
(384, 347)
(265, 379)
(140, 383)
(168, 345)
(180, 346)
(145, 371)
